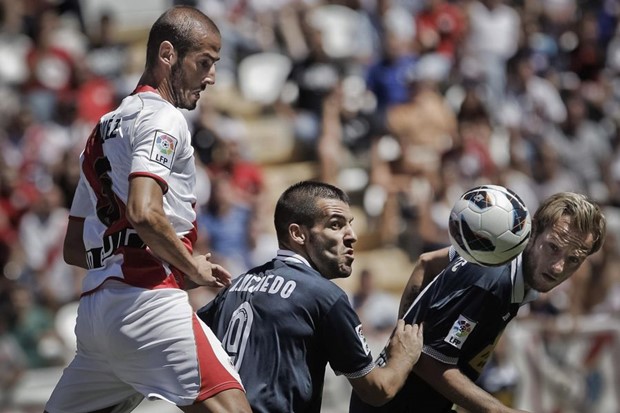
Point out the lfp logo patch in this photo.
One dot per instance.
(461, 329)
(163, 149)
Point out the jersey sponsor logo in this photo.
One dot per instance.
(163, 149)
(458, 264)
(362, 338)
(459, 332)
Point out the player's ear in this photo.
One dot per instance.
(167, 53)
(297, 234)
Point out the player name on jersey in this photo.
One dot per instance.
(270, 284)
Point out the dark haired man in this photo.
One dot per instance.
(132, 227)
(282, 322)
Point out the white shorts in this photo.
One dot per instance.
(132, 341)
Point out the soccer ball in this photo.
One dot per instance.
(489, 225)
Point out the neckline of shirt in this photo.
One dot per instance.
(144, 88)
(290, 256)
(520, 295)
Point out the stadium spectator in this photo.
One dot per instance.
(227, 226)
(32, 325)
(492, 38)
(52, 69)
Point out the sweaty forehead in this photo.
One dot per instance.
(566, 235)
(334, 207)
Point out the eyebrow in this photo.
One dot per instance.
(340, 217)
(209, 55)
(579, 249)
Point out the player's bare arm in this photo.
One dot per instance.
(145, 212)
(382, 383)
(426, 268)
(458, 388)
(74, 251)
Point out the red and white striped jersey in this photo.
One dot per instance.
(144, 136)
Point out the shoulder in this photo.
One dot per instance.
(158, 114)
(161, 109)
(311, 282)
(494, 280)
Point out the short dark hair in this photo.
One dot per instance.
(298, 204)
(179, 25)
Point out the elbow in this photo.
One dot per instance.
(72, 252)
(67, 256)
(138, 217)
(425, 259)
(377, 400)
(74, 257)
(380, 396)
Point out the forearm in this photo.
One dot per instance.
(466, 394)
(382, 383)
(76, 258)
(160, 237)
(412, 289)
(145, 213)
(74, 251)
(456, 387)
(403, 350)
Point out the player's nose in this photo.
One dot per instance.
(210, 77)
(558, 266)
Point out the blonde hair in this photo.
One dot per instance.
(586, 216)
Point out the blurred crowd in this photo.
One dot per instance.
(403, 103)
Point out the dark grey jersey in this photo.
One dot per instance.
(464, 310)
(282, 323)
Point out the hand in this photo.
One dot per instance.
(406, 342)
(210, 274)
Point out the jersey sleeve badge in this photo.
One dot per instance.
(460, 331)
(164, 148)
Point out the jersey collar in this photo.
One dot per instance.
(290, 256)
(519, 294)
(144, 88)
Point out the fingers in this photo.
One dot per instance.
(210, 273)
(415, 329)
(221, 275)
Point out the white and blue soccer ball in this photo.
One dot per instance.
(489, 225)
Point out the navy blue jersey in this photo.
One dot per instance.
(464, 310)
(282, 323)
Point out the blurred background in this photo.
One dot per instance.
(403, 103)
